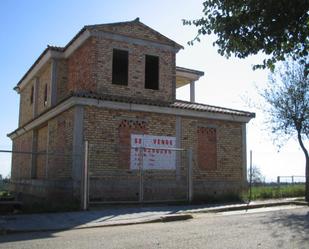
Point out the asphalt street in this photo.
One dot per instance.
(278, 227)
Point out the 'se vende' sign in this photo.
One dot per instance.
(153, 152)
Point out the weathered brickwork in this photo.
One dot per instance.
(62, 80)
(126, 128)
(60, 130)
(26, 113)
(81, 66)
(136, 78)
(228, 177)
(21, 163)
(26, 107)
(41, 159)
(44, 83)
(108, 134)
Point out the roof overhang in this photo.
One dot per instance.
(185, 76)
(81, 101)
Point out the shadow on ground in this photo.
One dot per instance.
(50, 223)
(297, 226)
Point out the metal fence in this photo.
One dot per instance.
(110, 173)
(138, 174)
(291, 179)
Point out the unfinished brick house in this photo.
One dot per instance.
(114, 85)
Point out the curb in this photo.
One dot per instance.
(249, 206)
(165, 218)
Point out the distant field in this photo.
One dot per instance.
(274, 191)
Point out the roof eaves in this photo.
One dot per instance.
(210, 108)
(188, 70)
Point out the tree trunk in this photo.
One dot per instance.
(307, 179)
(307, 164)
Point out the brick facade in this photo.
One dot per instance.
(76, 110)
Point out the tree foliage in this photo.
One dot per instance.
(255, 175)
(279, 28)
(287, 96)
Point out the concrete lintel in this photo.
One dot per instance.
(73, 101)
(121, 117)
(131, 40)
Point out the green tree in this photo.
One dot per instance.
(278, 28)
(287, 99)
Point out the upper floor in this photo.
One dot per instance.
(127, 59)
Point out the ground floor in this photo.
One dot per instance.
(133, 153)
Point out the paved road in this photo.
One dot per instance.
(285, 227)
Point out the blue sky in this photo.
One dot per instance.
(28, 26)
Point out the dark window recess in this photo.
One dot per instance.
(152, 72)
(120, 67)
(45, 95)
(32, 95)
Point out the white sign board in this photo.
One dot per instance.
(153, 152)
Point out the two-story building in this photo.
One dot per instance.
(114, 85)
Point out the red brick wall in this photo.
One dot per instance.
(207, 148)
(229, 149)
(81, 66)
(126, 128)
(136, 73)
